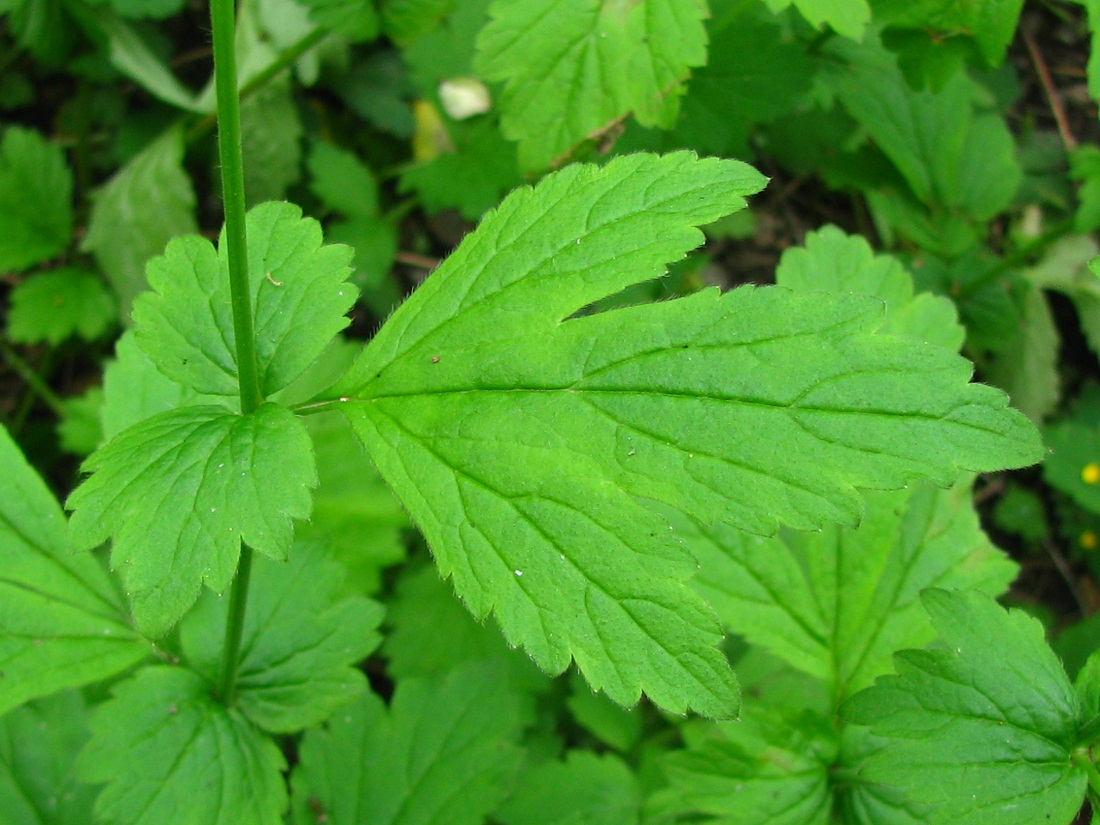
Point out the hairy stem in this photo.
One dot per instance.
(232, 174)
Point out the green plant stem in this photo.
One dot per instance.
(1082, 760)
(281, 62)
(232, 168)
(32, 379)
(1021, 256)
(234, 629)
(236, 241)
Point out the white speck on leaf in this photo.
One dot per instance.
(518, 572)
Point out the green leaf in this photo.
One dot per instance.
(299, 644)
(846, 17)
(754, 75)
(271, 139)
(523, 443)
(1025, 364)
(572, 68)
(134, 389)
(448, 50)
(171, 755)
(38, 747)
(1074, 452)
(53, 306)
(299, 297)
(121, 237)
(129, 52)
(951, 153)
(62, 620)
(179, 492)
(992, 23)
(431, 635)
(582, 788)
(837, 604)
(354, 512)
(834, 262)
(472, 178)
(342, 181)
(765, 770)
(36, 190)
(1072, 268)
(79, 429)
(404, 20)
(148, 9)
(441, 754)
(613, 725)
(990, 711)
(356, 20)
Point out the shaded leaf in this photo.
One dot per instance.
(36, 189)
(52, 306)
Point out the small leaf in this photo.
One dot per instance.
(356, 20)
(439, 755)
(271, 138)
(39, 743)
(79, 429)
(53, 306)
(123, 238)
(992, 23)
(846, 17)
(179, 492)
(991, 711)
(524, 441)
(572, 68)
(1074, 463)
(299, 298)
(582, 788)
(62, 620)
(171, 755)
(36, 190)
(341, 180)
(299, 646)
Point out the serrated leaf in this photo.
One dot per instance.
(523, 443)
(837, 604)
(122, 236)
(431, 634)
(991, 708)
(439, 755)
(38, 747)
(299, 297)
(299, 644)
(52, 306)
(171, 755)
(831, 261)
(180, 491)
(36, 189)
(846, 17)
(582, 788)
(573, 68)
(62, 620)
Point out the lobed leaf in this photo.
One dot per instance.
(299, 644)
(439, 755)
(169, 754)
(572, 69)
(180, 491)
(581, 788)
(299, 298)
(523, 440)
(993, 698)
(62, 620)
